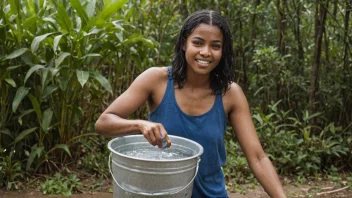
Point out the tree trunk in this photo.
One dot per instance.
(320, 16)
(346, 107)
(281, 25)
(252, 46)
(298, 33)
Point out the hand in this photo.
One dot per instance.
(154, 133)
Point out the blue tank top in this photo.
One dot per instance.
(207, 129)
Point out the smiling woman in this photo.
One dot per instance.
(194, 99)
(203, 49)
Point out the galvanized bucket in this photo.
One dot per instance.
(136, 177)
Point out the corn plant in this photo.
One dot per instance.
(51, 72)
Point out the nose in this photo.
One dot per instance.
(205, 51)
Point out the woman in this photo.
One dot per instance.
(194, 98)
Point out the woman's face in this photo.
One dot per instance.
(203, 48)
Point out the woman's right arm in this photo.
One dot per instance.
(113, 121)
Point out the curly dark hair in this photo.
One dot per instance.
(223, 74)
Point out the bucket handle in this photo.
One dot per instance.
(151, 194)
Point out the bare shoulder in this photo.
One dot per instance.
(152, 77)
(155, 73)
(234, 97)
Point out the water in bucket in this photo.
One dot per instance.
(151, 153)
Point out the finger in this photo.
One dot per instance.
(152, 136)
(147, 136)
(159, 136)
(166, 137)
(168, 141)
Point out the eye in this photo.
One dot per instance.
(217, 46)
(196, 42)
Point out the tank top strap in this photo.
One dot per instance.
(169, 75)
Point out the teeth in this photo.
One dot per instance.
(203, 62)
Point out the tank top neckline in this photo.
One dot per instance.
(172, 87)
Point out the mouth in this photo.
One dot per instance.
(203, 62)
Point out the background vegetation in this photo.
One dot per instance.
(63, 61)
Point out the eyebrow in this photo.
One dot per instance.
(215, 41)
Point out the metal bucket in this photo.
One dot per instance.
(136, 177)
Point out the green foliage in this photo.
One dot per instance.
(59, 184)
(297, 146)
(52, 73)
(10, 171)
(62, 62)
(95, 157)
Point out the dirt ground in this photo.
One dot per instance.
(311, 189)
(325, 191)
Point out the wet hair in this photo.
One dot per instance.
(222, 75)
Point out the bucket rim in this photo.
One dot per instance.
(197, 155)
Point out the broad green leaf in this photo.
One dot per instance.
(129, 13)
(148, 42)
(52, 22)
(15, 6)
(90, 8)
(23, 134)
(30, 22)
(64, 147)
(20, 94)
(119, 35)
(82, 77)
(26, 112)
(31, 70)
(36, 107)
(47, 116)
(91, 55)
(49, 19)
(35, 151)
(45, 72)
(258, 118)
(102, 80)
(63, 81)
(76, 4)
(16, 53)
(110, 10)
(63, 19)
(11, 82)
(93, 31)
(61, 58)
(6, 132)
(13, 67)
(48, 91)
(56, 42)
(37, 40)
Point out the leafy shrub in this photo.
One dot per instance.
(59, 184)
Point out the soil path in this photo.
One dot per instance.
(292, 192)
(311, 190)
(5, 194)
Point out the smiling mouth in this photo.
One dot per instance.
(203, 62)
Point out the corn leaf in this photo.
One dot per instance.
(61, 58)
(76, 4)
(11, 82)
(16, 53)
(20, 94)
(102, 80)
(36, 107)
(82, 77)
(31, 70)
(47, 116)
(37, 40)
(23, 134)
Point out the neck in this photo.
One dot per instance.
(195, 80)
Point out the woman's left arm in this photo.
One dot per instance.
(245, 131)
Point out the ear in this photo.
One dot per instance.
(184, 45)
